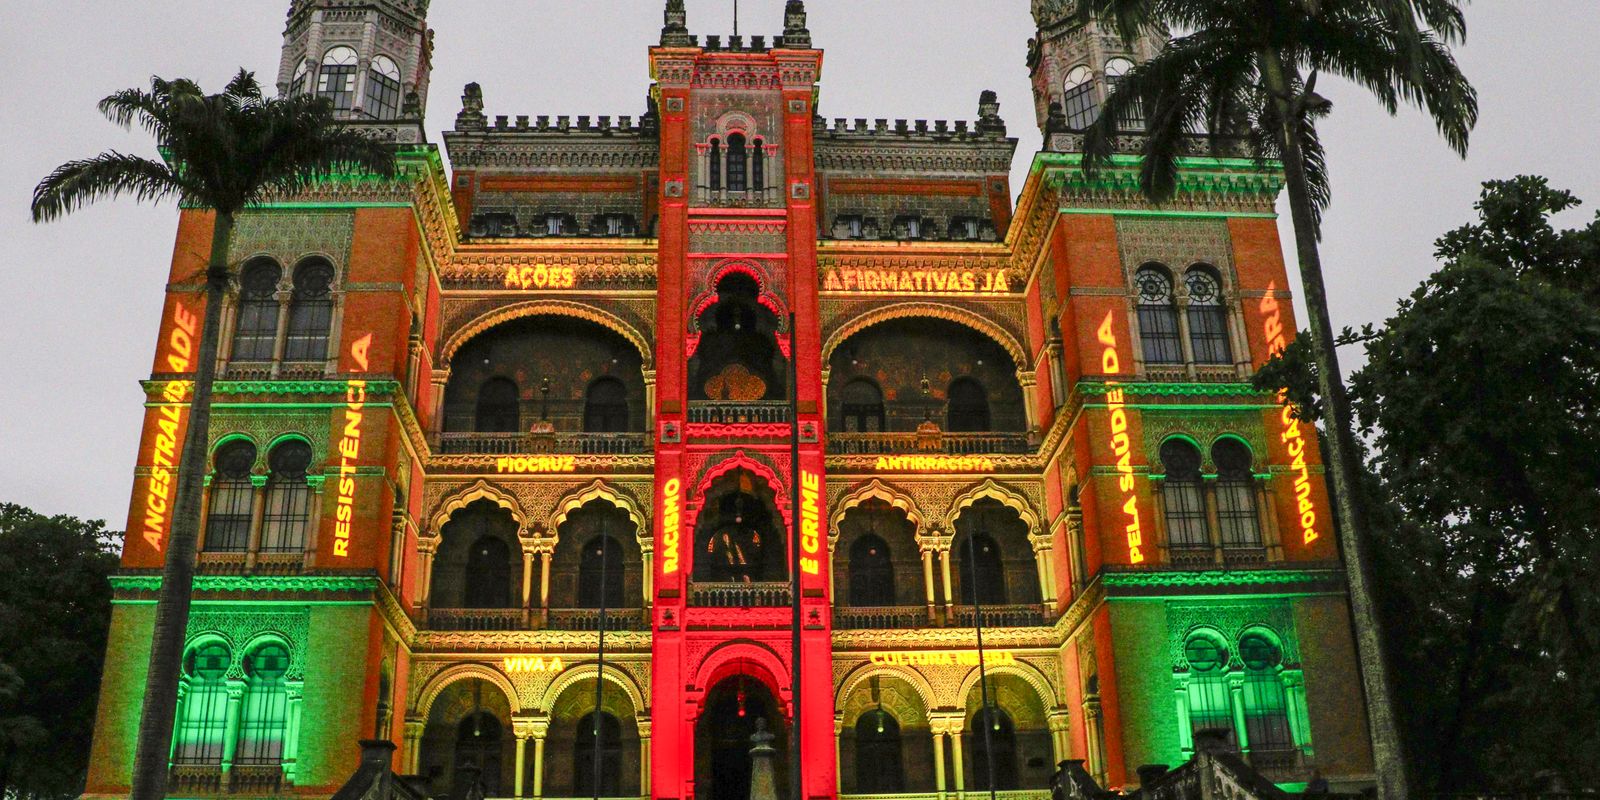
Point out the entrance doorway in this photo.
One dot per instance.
(722, 738)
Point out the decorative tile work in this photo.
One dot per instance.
(239, 626)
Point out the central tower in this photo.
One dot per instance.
(737, 308)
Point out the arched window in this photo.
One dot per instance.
(1158, 316)
(863, 407)
(605, 407)
(478, 745)
(1236, 494)
(1183, 496)
(301, 82)
(1210, 706)
(498, 408)
(984, 568)
(758, 165)
(1001, 737)
(265, 715)
(203, 719)
(608, 750)
(969, 407)
(1116, 69)
(737, 152)
(601, 552)
(1078, 101)
(1208, 317)
(1266, 704)
(232, 495)
(383, 89)
(256, 327)
(489, 574)
(310, 311)
(337, 81)
(871, 572)
(714, 164)
(879, 769)
(288, 501)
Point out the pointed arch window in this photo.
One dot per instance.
(985, 569)
(1183, 495)
(1266, 703)
(310, 311)
(879, 768)
(863, 409)
(737, 153)
(758, 165)
(488, 573)
(1236, 494)
(605, 407)
(498, 410)
(1208, 317)
(203, 719)
(255, 329)
(232, 498)
(288, 502)
(608, 750)
(1158, 316)
(383, 89)
(337, 80)
(1001, 739)
(871, 572)
(265, 716)
(601, 552)
(969, 407)
(714, 165)
(1078, 100)
(1210, 702)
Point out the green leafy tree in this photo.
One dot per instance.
(224, 152)
(55, 608)
(1247, 70)
(1480, 402)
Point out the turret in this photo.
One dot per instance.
(370, 57)
(1075, 63)
(675, 27)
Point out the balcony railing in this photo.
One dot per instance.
(917, 442)
(1011, 616)
(588, 619)
(478, 619)
(503, 444)
(765, 411)
(880, 617)
(740, 595)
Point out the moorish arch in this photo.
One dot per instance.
(874, 489)
(725, 463)
(961, 316)
(1018, 668)
(586, 671)
(467, 495)
(742, 657)
(1006, 495)
(459, 672)
(766, 295)
(863, 673)
(599, 490)
(533, 308)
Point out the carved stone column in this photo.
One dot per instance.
(412, 758)
(1060, 723)
(1044, 560)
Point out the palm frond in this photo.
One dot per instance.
(78, 183)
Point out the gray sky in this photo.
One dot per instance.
(82, 296)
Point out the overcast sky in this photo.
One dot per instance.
(82, 296)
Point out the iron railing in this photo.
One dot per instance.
(1012, 616)
(588, 619)
(913, 442)
(478, 619)
(740, 595)
(880, 617)
(764, 411)
(502, 444)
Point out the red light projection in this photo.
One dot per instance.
(1273, 330)
(355, 397)
(163, 456)
(810, 516)
(671, 514)
(1121, 446)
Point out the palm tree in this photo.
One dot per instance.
(224, 152)
(1247, 70)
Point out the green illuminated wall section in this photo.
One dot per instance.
(121, 687)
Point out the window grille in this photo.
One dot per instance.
(383, 89)
(232, 498)
(1266, 715)
(1208, 318)
(1158, 316)
(203, 725)
(1182, 494)
(310, 312)
(265, 715)
(1236, 494)
(288, 500)
(255, 330)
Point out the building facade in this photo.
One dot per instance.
(461, 412)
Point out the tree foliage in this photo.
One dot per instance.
(1480, 408)
(55, 608)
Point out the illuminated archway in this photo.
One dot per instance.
(438, 683)
(483, 323)
(599, 490)
(1006, 495)
(465, 496)
(874, 489)
(944, 311)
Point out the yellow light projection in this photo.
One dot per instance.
(1273, 330)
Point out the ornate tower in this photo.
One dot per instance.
(1074, 63)
(371, 57)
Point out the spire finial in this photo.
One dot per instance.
(795, 33)
(675, 31)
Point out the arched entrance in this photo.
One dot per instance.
(722, 734)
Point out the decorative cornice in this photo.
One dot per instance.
(255, 584)
(1090, 388)
(1315, 577)
(582, 465)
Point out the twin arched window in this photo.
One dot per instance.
(1264, 698)
(337, 79)
(1161, 331)
(383, 89)
(210, 715)
(736, 164)
(286, 506)
(1184, 495)
(309, 310)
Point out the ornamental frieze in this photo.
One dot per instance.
(529, 271)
